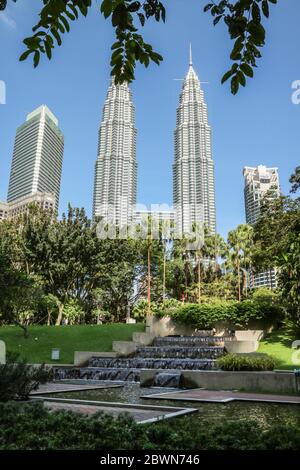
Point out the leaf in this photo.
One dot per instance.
(217, 19)
(25, 55)
(55, 33)
(247, 69)
(256, 16)
(265, 8)
(106, 8)
(227, 75)
(241, 78)
(36, 59)
(208, 7)
(234, 85)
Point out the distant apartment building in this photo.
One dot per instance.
(37, 158)
(260, 182)
(4, 209)
(10, 210)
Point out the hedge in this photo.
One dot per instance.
(239, 314)
(33, 427)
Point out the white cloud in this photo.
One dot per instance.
(8, 21)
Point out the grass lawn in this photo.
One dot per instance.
(37, 348)
(279, 345)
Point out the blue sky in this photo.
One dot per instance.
(259, 126)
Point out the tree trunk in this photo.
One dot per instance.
(164, 278)
(48, 317)
(199, 280)
(149, 280)
(239, 281)
(24, 328)
(60, 314)
(271, 280)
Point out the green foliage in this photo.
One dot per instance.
(140, 310)
(129, 46)
(244, 21)
(295, 180)
(239, 314)
(18, 379)
(239, 362)
(33, 427)
(277, 244)
(243, 18)
(73, 311)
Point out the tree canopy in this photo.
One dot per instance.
(244, 20)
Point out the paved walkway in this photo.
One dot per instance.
(223, 396)
(140, 415)
(54, 387)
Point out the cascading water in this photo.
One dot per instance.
(169, 355)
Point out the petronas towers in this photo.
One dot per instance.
(116, 167)
(193, 168)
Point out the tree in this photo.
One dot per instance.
(243, 19)
(239, 256)
(277, 241)
(295, 180)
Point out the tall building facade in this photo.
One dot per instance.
(37, 157)
(193, 168)
(260, 182)
(115, 184)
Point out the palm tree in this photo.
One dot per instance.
(240, 243)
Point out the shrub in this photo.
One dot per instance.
(254, 362)
(18, 379)
(33, 427)
(239, 314)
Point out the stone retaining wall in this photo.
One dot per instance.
(273, 382)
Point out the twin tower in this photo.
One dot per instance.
(115, 185)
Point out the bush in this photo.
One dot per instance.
(254, 362)
(239, 314)
(33, 427)
(18, 379)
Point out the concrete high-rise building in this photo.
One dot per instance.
(115, 184)
(37, 157)
(4, 210)
(193, 168)
(260, 182)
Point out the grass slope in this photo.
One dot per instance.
(37, 348)
(279, 345)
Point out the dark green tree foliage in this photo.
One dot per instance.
(232, 313)
(18, 379)
(33, 427)
(243, 19)
(295, 180)
(277, 242)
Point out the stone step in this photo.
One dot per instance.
(200, 352)
(190, 341)
(152, 363)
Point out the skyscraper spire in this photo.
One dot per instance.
(193, 168)
(191, 56)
